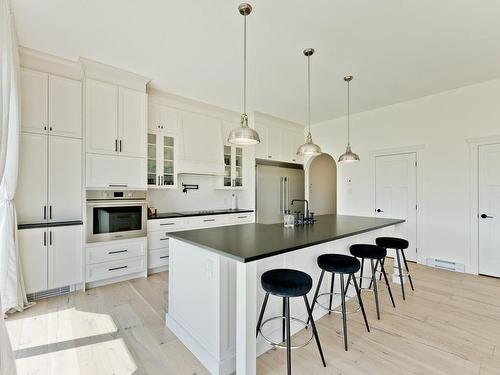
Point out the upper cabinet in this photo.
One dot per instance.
(163, 118)
(115, 120)
(50, 104)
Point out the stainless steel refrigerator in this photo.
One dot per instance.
(276, 187)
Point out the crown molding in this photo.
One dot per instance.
(107, 73)
(37, 60)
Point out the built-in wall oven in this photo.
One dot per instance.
(115, 215)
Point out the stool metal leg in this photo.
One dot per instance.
(331, 293)
(407, 269)
(375, 290)
(382, 268)
(358, 293)
(315, 332)
(371, 281)
(283, 331)
(261, 315)
(288, 342)
(348, 283)
(317, 291)
(361, 273)
(344, 315)
(400, 274)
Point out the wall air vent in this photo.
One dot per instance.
(48, 293)
(446, 265)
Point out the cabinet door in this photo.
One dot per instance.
(65, 107)
(289, 146)
(228, 166)
(101, 117)
(153, 159)
(108, 171)
(238, 167)
(31, 194)
(34, 99)
(300, 138)
(65, 179)
(163, 118)
(274, 143)
(261, 150)
(132, 123)
(64, 256)
(33, 252)
(167, 161)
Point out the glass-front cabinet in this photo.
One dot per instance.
(161, 160)
(233, 167)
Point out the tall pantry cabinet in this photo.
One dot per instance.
(49, 187)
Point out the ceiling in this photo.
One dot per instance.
(397, 50)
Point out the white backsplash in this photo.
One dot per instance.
(207, 197)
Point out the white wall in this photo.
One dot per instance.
(442, 123)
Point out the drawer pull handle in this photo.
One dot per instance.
(117, 252)
(164, 239)
(163, 257)
(209, 220)
(117, 268)
(242, 217)
(167, 224)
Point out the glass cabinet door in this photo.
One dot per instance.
(168, 160)
(238, 167)
(227, 166)
(152, 162)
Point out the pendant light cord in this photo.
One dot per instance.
(245, 65)
(348, 113)
(309, 93)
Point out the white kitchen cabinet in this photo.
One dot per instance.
(274, 143)
(261, 148)
(279, 143)
(163, 118)
(65, 179)
(33, 253)
(34, 98)
(131, 123)
(64, 256)
(290, 142)
(101, 117)
(201, 149)
(233, 167)
(65, 107)
(31, 189)
(115, 120)
(110, 171)
(162, 159)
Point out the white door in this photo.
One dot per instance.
(101, 117)
(65, 107)
(31, 193)
(34, 91)
(65, 179)
(64, 256)
(489, 210)
(33, 252)
(396, 195)
(132, 123)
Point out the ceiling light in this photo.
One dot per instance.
(348, 155)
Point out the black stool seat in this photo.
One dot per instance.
(338, 263)
(368, 251)
(392, 243)
(286, 282)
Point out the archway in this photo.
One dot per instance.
(321, 184)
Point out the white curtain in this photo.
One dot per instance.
(12, 292)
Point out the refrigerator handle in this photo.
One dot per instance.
(286, 191)
(282, 189)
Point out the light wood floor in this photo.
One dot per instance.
(449, 325)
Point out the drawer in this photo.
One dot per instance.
(108, 270)
(166, 224)
(246, 217)
(115, 250)
(158, 258)
(157, 240)
(207, 221)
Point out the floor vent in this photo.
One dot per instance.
(48, 293)
(446, 265)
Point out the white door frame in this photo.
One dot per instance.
(418, 150)
(474, 144)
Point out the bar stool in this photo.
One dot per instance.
(287, 283)
(373, 253)
(399, 245)
(341, 265)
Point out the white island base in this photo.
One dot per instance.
(214, 301)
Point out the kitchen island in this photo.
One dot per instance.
(214, 281)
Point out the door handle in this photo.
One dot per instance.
(44, 238)
(120, 145)
(44, 212)
(379, 210)
(286, 193)
(50, 238)
(50, 212)
(484, 216)
(282, 194)
(116, 145)
(158, 180)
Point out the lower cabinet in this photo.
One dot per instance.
(51, 257)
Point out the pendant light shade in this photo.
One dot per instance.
(348, 155)
(244, 135)
(309, 148)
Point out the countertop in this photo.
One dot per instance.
(251, 242)
(170, 215)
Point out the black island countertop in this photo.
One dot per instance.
(223, 211)
(251, 242)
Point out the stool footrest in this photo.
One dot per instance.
(282, 345)
(334, 310)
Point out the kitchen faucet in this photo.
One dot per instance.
(307, 205)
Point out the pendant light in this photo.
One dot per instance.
(348, 155)
(309, 148)
(244, 135)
